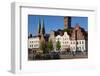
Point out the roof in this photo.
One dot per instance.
(33, 36)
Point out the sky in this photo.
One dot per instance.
(53, 23)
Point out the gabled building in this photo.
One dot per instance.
(64, 41)
(78, 39)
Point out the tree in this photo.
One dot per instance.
(50, 46)
(68, 30)
(43, 46)
(58, 45)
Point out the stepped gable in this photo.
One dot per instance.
(78, 33)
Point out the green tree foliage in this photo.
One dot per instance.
(50, 46)
(43, 46)
(58, 45)
(68, 30)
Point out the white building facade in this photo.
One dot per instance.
(78, 45)
(67, 43)
(64, 40)
(33, 42)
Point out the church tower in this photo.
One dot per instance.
(39, 27)
(67, 22)
(42, 31)
(43, 27)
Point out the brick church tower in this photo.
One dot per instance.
(67, 22)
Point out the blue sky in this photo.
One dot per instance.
(53, 23)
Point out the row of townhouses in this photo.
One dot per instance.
(73, 38)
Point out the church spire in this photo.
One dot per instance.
(39, 27)
(43, 27)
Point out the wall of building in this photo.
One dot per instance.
(65, 41)
(33, 42)
(80, 44)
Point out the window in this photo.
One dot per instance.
(83, 48)
(36, 45)
(32, 45)
(77, 42)
(73, 48)
(58, 38)
(73, 42)
(82, 42)
(79, 48)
